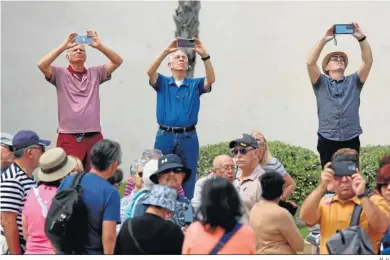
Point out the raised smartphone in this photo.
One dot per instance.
(83, 39)
(185, 43)
(344, 29)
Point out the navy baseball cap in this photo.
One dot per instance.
(168, 162)
(26, 138)
(244, 140)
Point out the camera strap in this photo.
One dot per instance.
(335, 40)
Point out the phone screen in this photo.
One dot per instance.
(83, 39)
(185, 43)
(344, 29)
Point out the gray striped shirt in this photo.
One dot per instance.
(14, 186)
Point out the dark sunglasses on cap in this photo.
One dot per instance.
(336, 58)
(174, 170)
(242, 151)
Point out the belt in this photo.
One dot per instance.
(178, 129)
(90, 134)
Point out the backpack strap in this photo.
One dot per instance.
(224, 239)
(77, 179)
(357, 211)
(40, 202)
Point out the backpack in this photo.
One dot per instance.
(351, 241)
(66, 223)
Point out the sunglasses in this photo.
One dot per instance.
(336, 58)
(140, 174)
(242, 151)
(174, 170)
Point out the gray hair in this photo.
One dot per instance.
(19, 153)
(151, 154)
(104, 153)
(137, 163)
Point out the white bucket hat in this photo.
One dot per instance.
(54, 165)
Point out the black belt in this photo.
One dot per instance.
(177, 129)
(90, 134)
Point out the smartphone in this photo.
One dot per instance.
(344, 29)
(188, 215)
(83, 39)
(185, 43)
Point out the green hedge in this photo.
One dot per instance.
(301, 163)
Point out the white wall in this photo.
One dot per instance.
(258, 50)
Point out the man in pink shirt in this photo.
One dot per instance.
(78, 94)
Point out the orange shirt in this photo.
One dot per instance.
(335, 214)
(197, 240)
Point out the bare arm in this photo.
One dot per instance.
(152, 70)
(312, 67)
(289, 186)
(45, 63)
(210, 74)
(377, 219)
(114, 59)
(24, 227)
(8, 222)
(109, 236)
(310, 207)
(365, 49)
(367, 61)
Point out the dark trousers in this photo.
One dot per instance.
(184, 145)
(327, 148)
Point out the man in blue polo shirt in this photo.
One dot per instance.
(178, 103)
(338, 96)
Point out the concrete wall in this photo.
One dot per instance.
(258, 50)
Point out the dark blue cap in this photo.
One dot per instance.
(26, 138)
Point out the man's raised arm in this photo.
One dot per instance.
(45, 63)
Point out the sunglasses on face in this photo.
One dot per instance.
(140, 174)
(336, 58)
(174, 170)
(242, 151)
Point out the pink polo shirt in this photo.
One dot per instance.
(78, 100)
(37, 242)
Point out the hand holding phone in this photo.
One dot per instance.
(83, 39)
(344, 165)
(185, 43)
(344, 29)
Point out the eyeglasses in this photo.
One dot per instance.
(174, 170)
(336, 58)
(242, 151)
(42, 148)
(226, 168)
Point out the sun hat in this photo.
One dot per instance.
(162, 196)
(326, 59)
(54, 165)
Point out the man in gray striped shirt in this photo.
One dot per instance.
(15, 184)
(338, 96)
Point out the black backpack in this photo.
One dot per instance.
(66, 223)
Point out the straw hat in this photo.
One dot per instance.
(54, 165)
(325, 61)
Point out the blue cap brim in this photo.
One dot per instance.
(44, 142)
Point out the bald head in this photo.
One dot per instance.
(223, 166)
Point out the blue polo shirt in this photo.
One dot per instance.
(178, 106)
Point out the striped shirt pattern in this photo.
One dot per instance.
(14, 186)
